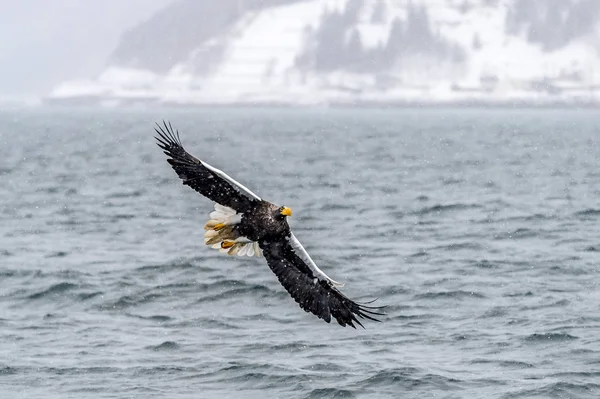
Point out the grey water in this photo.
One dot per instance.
(479, 229)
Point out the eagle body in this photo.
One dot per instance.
(264, 222)
(243, 224)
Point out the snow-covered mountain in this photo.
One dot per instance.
(354, 51)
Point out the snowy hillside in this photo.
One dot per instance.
(354, 51)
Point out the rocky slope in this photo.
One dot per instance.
(354, 51)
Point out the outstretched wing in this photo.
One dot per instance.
(313, 291)
(207, 180)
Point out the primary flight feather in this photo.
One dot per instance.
(244, 224)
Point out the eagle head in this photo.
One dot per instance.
(284, 211)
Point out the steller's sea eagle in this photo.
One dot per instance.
(243, 224)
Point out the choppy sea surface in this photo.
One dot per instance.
(480, 229)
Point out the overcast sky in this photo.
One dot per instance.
(46, 41)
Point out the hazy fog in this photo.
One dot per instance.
(44, 42)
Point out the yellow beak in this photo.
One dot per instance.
(285, 211)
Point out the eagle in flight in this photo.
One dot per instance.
(244, 224)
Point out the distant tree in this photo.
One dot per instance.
(397, 35)
(379, 13)
(354, 50)
(552, 23)
(418, 30)
(353, 9)
(465, 7)
(355, 43)
(330, 42)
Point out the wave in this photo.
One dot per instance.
(42, 274)
(545, 305)
(327, 367)
(127, 301)
(497, 311)
(528, 218)
(486, 264)
(89, 295)
(512, 364)
(165, 346)
(592, 248)
(588, 212)
(458, 247)
(171, 266)
(54, 290)
(5, 170)
(239, 291)
(517, 234)
(258, 375)
(7, 370)
(122, 216)
(408, 377)
(444, 208)
(576, 374)
(77, 292)
(423, 316)
(450, 181)
(560, 389)
(196, 292)
(449, 294)
(515, 364)
(157, 318)
(518, 294)
(57, 254)
(330, 393)
(58, 370)
(545, 337)
(131, 194)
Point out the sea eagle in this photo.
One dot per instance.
(244, 224)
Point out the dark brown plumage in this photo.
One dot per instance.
(244, 224)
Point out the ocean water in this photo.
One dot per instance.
(479, 229)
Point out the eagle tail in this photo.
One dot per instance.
(221, 233)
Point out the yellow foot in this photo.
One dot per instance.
(219, 226)
(227, 244)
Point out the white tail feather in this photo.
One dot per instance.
(228, 217)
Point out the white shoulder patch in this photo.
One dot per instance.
(301, 252)
(231, 180)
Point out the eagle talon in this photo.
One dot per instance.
(218, 226)
(227, 244)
